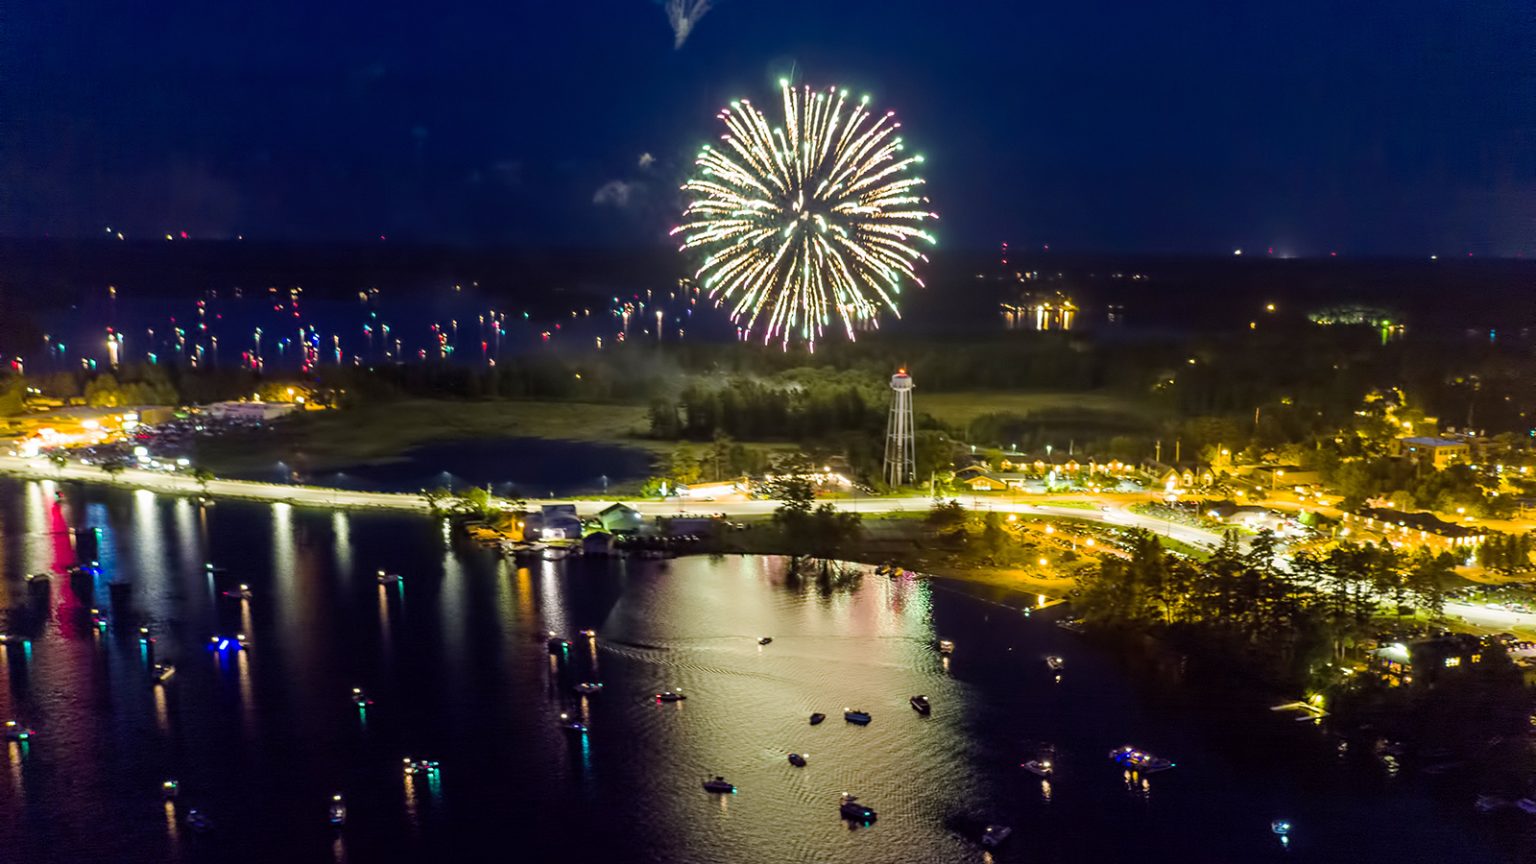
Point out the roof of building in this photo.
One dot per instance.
(617, 507)
(1426, 441)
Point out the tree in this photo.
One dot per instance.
(202, 476)
(58, 459)
(112, 469)
(683, 467)
(994, 537)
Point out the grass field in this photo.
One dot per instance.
(961, 408)
(331, 439)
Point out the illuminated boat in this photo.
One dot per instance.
(14, 731)
(163, 672)
(359, 698)
(588, 688)
(850, 808)
(719, 785)
(994, 835)
(420, 766)
(573, 727)
(670, 696)
(1055, 663)
(764, 640)
(338, 811)
(1141, 761)
(946, 646)
(920, 705)
(169, 789)
(241, 593)
(589, 633)
(1042, 767)
(389, 578)
(862, 718)
(198, 820)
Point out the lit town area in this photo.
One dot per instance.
(714, 432)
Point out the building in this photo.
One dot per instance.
(1415, 528)
(597, 543)
(982, 481)
(620, 519)
(249, 412)
(555, 522)
(1440, 453)
(713, 490)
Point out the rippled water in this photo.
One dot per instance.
(454, 658)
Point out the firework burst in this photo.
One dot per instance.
(813, 222)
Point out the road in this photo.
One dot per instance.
(183, 484)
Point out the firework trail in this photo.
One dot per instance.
(683, 14)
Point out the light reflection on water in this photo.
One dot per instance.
(461, 674)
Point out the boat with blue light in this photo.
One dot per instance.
(1141, 761)
(719, 785)
(572, 727)
(589, 688)
(337, 813)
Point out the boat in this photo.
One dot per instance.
(587, 688)
(1489, 803)
(14, 731)
(670, 696)
(359, 698)
(1055, 663)
(860, 717)
(920, 705)
(589, 633)
(574, 727)
(338, 811)
(1132, 759)
(797, 760)
(12, 639)
(557, 644)
(764, 640)
(241, 593)
(163, 672)
(817, 718)
(169, 789)
(719, 784)
(1042, 767)
(1073, 625)
(38, 578)
(389, 578)
(946, 646)
(850, 807)
(420, 766)
(226, 643)
(1280, 827)
(994, 835)
(198, 820)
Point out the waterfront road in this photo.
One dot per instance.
(316, 496)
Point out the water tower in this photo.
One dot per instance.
(900, 460)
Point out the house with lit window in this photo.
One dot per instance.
(1439, 453)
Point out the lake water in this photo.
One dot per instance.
(260, 739)
(513, 467)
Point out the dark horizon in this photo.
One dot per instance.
(1379, 129)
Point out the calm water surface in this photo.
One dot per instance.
(260, 739)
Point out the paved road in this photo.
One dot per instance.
(183, 484)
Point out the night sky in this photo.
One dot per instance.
(1403, 127)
